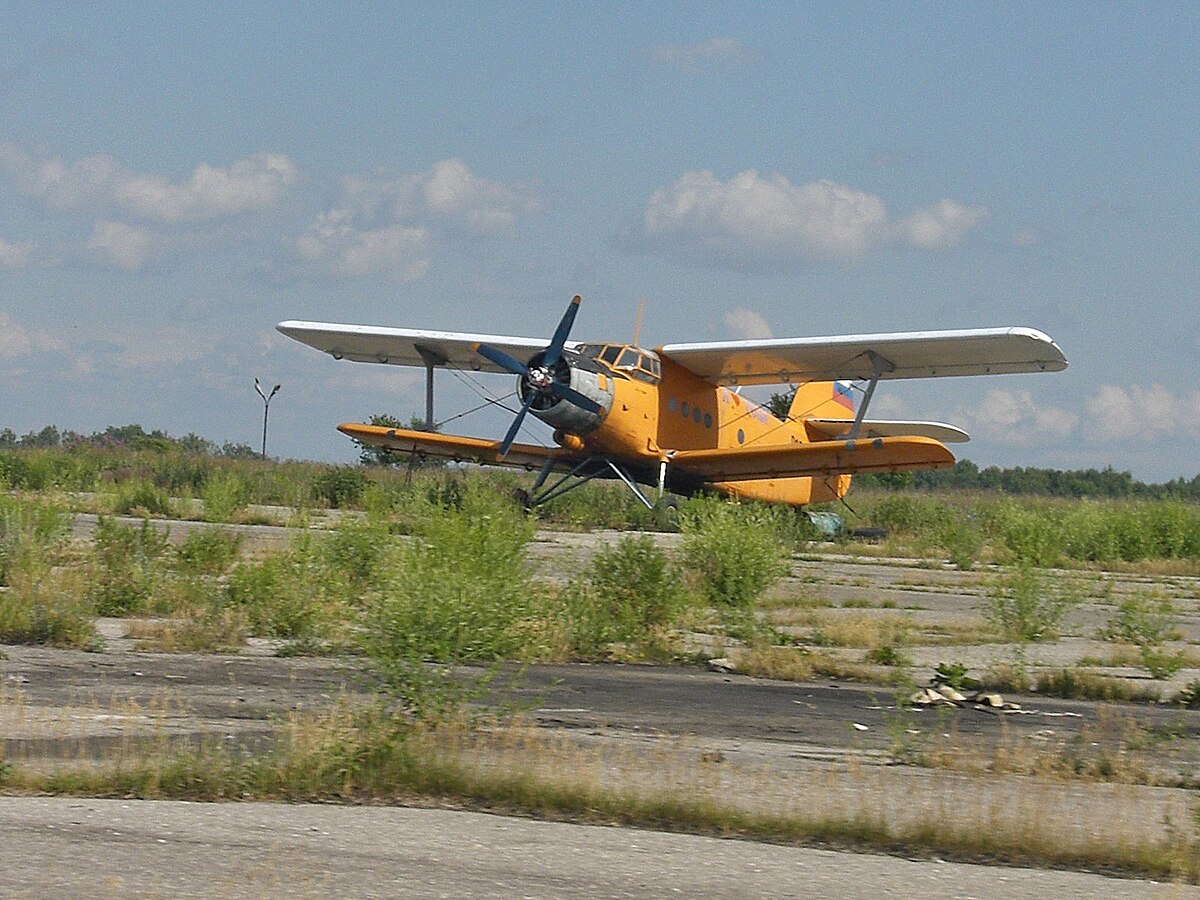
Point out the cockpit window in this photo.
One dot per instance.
(629, 359)
(610, 354)
(588, 351)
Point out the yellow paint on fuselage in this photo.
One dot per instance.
(685, 412)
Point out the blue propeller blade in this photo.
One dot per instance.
(502, 359)
(554, 351)
(516, 425)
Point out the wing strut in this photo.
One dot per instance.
(879, 366)
(431, 359)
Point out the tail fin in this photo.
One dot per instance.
(823, 400)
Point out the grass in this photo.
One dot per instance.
(351, 754)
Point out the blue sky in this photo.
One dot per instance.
(175, 179)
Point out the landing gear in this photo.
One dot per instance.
(666, 513)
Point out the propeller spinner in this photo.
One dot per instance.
(539, 379)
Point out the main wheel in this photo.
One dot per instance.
(666, 513)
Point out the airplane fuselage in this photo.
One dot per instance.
(657, 408)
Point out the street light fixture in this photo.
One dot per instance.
(266, 398)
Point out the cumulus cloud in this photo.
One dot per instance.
(389, 224)
(100, 183)
(127, 247)
(942, 225)
(704, 53)
(15, 256)
(747, 325)
(756, 220)
(1016, 416)
(339, 246)
(18, 341)
(1117, 413)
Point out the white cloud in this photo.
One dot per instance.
(714, 50)
(340, 247)
(747, 325)
(754, 220)
(387, 224)
(942, 225)
(1116, 413)
(15, 256)
(17, 341)
(1025, 237)
(127, 247)
(1017, 417)
(99, 182)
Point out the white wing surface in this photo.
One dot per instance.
(409, 346)
(916, 354)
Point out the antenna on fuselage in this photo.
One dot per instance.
(637, 325)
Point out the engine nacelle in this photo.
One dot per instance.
(561, 413)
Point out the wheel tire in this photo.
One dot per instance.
(666, 513)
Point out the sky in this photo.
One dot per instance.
(177, 178)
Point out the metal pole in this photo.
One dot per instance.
(266, 398)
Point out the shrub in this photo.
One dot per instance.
(210, 551)
(1026, 606)
(628, 590)
(288, 595)
(461, 592)
(29, 527)
(223, 493)
(45, 606)
(125, 566)
(1148, 621)
(141, 497)
(731, 552)
(340, 486)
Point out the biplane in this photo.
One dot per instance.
(672, 419)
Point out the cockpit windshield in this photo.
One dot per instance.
(638, 363)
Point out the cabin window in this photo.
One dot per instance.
(741, 436)
(696, 415)
(629, 359)
(684, 408)
(708, 420)
(610, 354)
(672, 404)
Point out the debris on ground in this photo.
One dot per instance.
(944, 695)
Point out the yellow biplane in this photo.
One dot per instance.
(672, 418)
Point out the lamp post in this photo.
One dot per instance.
(266, 398)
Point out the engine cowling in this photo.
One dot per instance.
(561, 413)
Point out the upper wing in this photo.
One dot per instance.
(454, 447)
(888, 454)
(404, 346)
(939, 431)
(917, 354)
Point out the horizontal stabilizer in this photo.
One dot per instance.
(939, 431)
(884, 454)
(452, 447)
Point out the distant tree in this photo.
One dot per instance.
(231, 450)
(780, 404)
(370, 455)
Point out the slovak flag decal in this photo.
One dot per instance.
(843, 393)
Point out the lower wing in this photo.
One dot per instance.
(455, 448)
(883, 454)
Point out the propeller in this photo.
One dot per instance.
(538, 381)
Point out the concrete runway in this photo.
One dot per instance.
(62, 847)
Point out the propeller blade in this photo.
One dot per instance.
(554, 351)
(573, 396)
(516, 425)
(500, 358)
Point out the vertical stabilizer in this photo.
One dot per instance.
(823, 400)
